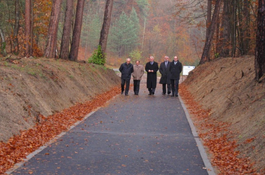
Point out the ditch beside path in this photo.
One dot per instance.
(131, 135)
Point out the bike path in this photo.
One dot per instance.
(132, 135)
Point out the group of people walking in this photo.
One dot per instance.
(170, 75)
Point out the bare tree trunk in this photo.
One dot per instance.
(31, 28)
(209, 18)
(106, 25)
(225, 33)
(50, 50)
(64, 54)
(246, 25)
(260, 42)
(217, 46)
(207, 45)
(234, 27)
(240, 28)
(16, 27)
(27, 27)
(3, 44)
(77, 30)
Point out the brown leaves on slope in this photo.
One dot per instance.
(216, 138)
(18, 147)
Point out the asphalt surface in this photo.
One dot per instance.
(131, 135)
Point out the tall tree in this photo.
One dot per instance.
(260, 41)
(106, 25)
(246, 25)
(28, 23)
(65, 43)
(209, 18)
(225, 32)
(205, 55)
(50, 51)
(124, 34)
(77, 30)
(3, 44)
(16, 26)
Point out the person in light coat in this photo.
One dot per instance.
(138, 72)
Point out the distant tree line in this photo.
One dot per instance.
(233, 28)
(56, 28)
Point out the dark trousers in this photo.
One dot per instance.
(151, 90)
(123, 82)
(175, 87)
(166, 88)
(136, 86)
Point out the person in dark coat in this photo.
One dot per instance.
(175, 69)
(151, 68)
(165, 76)
(126, 70)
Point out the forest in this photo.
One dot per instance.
(195, 30)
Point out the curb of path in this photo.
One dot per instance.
(31, 155)
(202, 151)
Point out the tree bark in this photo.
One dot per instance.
(233, 27)
(77, 30)
(64, 51)
(106, 25)
(50, 51)
(240, 28)
(260, 42)
(225, 33)
(209, 18)
(27, 27)
(16, 27)
(207, 45)
(3, 44)
(31, 28)
(246, 25)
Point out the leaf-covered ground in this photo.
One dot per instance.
(218, 139)
(19, 146)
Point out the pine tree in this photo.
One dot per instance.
(125, 33)
(135, 29)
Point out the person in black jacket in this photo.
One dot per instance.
(151, 68)
(175, 69)
(165, 76)
(126, 70)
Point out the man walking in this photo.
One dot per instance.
(165, 76)
(126, 70)
(138, 71)
(151, 68)
(175, 69)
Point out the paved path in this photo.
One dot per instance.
(131, 135)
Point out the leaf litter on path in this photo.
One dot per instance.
(215, 136)
(18, 147)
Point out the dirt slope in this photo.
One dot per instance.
(31, 88)
(226, 86)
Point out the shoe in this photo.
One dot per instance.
(126, 94)
(169, 93)
(177, 95)
(153, 93)
(164, 93)
(172, 95)
(150, 93)
(121, 92)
